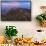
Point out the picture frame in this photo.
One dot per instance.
(16, 11)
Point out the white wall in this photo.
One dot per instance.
(27, 28)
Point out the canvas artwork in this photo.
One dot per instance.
(16, 11)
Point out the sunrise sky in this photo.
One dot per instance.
(15, 0)
(6, 6)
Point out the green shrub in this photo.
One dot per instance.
(41, 17)
(11, 31)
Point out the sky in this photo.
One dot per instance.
(16, 4)
(15, 0)
(6, 6)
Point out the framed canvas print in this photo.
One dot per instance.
(16, 11)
